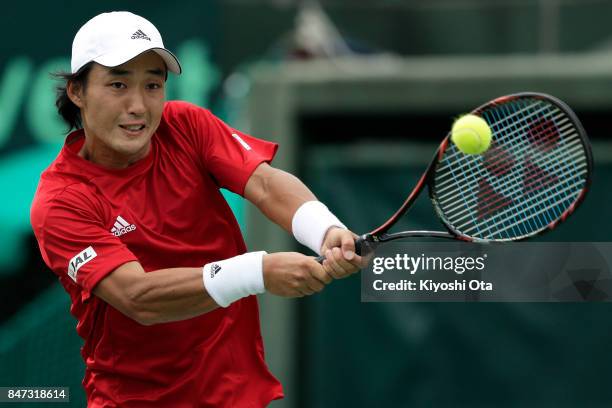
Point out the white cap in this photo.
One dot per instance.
(111, 39)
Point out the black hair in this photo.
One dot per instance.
(65, 107)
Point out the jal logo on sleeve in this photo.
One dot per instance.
(79, 260)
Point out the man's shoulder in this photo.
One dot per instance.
(182, 124)
(182, 107)
(59, 188)
(185, 112)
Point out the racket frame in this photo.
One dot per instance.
(381, 235)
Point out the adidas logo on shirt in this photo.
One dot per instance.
(140, 35)
(122, 227)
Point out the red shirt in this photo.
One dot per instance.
(164, 211)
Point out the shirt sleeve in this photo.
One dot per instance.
(229, 155)
(75, 243)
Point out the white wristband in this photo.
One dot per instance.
(231, 279)
(310, 223)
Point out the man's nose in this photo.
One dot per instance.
(136, 104)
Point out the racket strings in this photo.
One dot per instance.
(528, 186)
(540, 173)
(498, 160)
(471, 164)
(497, 155)
(546, 199)
(533, 173)
(512, 188)
(499, 227)
(455, 155)
(462, 218)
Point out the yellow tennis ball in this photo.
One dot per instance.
(471, 134)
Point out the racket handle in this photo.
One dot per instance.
(358, 245)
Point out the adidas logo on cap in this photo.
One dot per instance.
(140, 35)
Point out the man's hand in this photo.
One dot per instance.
(339, 251)
(291, 274)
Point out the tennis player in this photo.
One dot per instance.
(130, 218)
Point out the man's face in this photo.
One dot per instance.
(121, 108)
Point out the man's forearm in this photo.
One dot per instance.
(158, 296)
(174, 294)
(285, 200)
(170, 295)
(277, 194)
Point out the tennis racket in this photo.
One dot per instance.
(535, 174)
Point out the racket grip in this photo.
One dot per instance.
(358, 245)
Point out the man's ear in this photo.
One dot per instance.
(75, 93)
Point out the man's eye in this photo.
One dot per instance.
(117, 85)
(154, 86)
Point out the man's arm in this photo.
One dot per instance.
(155, 297)
(278, 195)
(174, 294)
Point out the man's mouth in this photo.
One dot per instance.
(132, 128)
